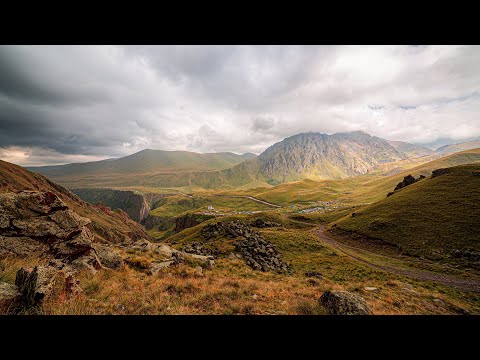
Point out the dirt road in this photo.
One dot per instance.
(449, 280)
(251, 198)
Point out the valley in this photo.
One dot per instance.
(265, 234)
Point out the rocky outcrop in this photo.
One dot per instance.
(258, 253)
(34, 285)
(106, 225)
(39, 223)
(344, 303)
(407, 180)
(34, 223)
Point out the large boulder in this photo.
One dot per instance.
(344, 303)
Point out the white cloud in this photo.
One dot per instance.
(104, 101)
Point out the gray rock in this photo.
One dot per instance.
(155, 267)
(344, 303)
(108, 257)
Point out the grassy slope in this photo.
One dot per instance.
(361, 189)
(151, 167)
(429, 218)
(178, 205)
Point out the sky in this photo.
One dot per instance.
(63, 104)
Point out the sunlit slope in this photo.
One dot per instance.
(361, 189)
(431, 218)
(449, 149)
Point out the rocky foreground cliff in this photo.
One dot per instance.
(106, 225)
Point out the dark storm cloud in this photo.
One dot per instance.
(75, 103)
(21, 78)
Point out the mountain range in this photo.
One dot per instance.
(315, 156)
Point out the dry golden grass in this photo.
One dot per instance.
(233, 288)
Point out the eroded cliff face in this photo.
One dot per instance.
(135, 205)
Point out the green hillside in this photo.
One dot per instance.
(147, 161)
(434, 217)
(361, 189)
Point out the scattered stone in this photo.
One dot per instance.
(255, 297)
(397, 304)
(370, 288)
(258, 253)
(344, 303)
(261, 255)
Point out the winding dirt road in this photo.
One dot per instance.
(469, 285)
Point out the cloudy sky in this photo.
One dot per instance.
(61, 104)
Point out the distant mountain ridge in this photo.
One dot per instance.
(312, 155)
(449, 149)
(411, 150)
(147, 161)
(318, 155)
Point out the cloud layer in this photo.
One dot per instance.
(63, 104)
